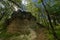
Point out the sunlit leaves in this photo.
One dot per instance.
(39, 1)
(32, 8)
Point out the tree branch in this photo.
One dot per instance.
(15, 3)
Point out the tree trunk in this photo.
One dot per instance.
(53, 30)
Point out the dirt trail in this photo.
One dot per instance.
(22, 26)
(42, 34)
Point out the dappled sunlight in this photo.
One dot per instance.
(1, 5)
(24, 2)
(29, 20)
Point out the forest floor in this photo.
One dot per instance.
(42, 34)
(25, 32)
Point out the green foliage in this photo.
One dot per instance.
(41, 16)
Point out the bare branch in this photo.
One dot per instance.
(14, 3)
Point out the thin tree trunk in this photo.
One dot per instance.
(54, 21)
(53, 30)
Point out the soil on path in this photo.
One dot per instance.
(22, 26)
